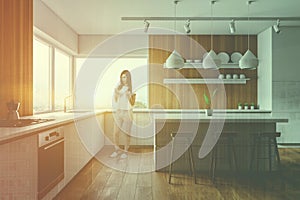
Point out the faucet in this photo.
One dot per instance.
(65, 102)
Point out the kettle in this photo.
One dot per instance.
(13, 110)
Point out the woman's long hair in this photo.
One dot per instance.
(127, 73)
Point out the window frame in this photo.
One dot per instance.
(75, 68)
(53, 48)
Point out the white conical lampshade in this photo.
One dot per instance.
(248, 61)
(211, 60)
(174, 60)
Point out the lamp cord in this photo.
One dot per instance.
(175, 22)
(211, 26)
(248, 22)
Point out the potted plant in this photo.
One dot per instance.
(240, 106)
(246, 106)
(207, 101)
(252, 106)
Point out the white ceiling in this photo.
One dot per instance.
(104, 16)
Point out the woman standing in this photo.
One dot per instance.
(123, 101)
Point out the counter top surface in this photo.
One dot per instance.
(220, 117)
(61, 118)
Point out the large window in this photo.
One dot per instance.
(62, 78)
(109, 78)
(51, 77)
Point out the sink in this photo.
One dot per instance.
(22, 122)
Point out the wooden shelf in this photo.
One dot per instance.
(200, 66)
(204, 81)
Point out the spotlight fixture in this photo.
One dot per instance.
(276, 26)
(187, 26)
(232, 26)
(147, 24)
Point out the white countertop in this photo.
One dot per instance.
(61, 118)
(221, 117)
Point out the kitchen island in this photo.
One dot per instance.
(204, 131)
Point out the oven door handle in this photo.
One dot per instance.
(52, 145)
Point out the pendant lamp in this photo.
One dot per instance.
(211, 60)
(175, 60)
(248, 60)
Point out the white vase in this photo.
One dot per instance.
(209, 112)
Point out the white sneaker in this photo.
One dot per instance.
(114, 154)
(123, 156)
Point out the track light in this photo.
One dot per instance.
(232, 26)
(187, 26)
(276, 26)
(147, 24)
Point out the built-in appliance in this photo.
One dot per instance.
(50, 160)
(22, 122)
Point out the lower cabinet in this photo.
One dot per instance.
(18, 169)
(142, 130)
(19, 158)
(83, 139)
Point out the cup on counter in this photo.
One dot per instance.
(228, 76)
(221, 76)
(242, 76)
(235, 76)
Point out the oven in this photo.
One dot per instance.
(50, 160)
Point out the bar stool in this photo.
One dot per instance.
(226, 140)
(260, 141)
(184, 139)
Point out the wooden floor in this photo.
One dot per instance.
(97, 181)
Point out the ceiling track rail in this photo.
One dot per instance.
(210, 18)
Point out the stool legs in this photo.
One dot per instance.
(230, 149)
(191, 162)
(171, 161)
(258, 147)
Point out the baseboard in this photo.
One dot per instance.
(288, 145)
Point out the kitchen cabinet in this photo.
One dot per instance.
(18, 169)
(83, 139)
(141, 131)
(19, 156)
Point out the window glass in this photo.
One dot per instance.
(110, 77)
(41, 77)
(61, 79)
(51, 77)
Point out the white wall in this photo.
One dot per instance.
(286, 81)
(264, 70)
(113, 45)
(46, 21)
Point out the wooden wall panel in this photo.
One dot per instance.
(178, 96)
(16, 54)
